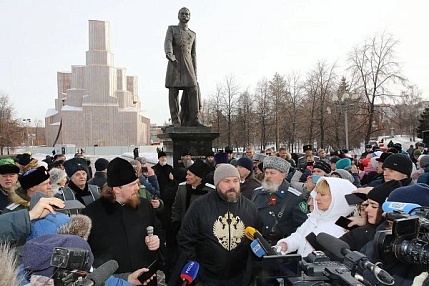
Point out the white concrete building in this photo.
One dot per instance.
(97, 103)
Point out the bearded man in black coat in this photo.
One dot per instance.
(120, 219)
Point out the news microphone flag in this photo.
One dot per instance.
(252, 234)
(257, 248)
(407, 208)
(189, 272)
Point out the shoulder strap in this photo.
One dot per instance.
(68, 194)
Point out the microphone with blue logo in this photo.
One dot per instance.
(408, 208)
(189, 272)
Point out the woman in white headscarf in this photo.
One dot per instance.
(329, 204)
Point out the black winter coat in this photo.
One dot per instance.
(118, 232)
(212, 233)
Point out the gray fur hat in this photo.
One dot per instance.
(280, 164)
(224, 171)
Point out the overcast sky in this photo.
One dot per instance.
(249, 39)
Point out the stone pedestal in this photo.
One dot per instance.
(195, 139)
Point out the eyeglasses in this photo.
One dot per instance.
(268, 154)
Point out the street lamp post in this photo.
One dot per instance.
(27, 121)
(345, 102)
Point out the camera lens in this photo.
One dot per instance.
(413, 251)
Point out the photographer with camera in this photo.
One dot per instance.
(403, 259)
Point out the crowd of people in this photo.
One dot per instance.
(157, 218)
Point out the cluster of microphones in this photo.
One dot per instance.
(338, 249)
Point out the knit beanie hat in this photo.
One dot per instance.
(38, 252)
(33, 177)
(245, 163)
(424, 161)
(277, 163)
(221, 157)
(400, 163)
(381, 192)
(120, 172)
(417, 152)
(7, 166)
(161, 154)
(199, 168)
(416, 194)
(101, 164)
(343, 163)
(322, 165)
(224, 171)
(57, 175)
(75, 164)
(344, 175)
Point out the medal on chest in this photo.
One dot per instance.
(272, 200)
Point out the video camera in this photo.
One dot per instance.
(315, 268)
(70, 264)
(408, 240)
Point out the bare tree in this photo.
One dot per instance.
(374, 70)
(214, 109)
(278, 92)
(244, 119)
(10, 130)
(230, 91)
(294, 97)
(262, 97)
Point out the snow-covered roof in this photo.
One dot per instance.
(50, 112)
(71, 108)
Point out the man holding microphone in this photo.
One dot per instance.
(121, 224)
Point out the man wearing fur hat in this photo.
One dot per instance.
(8, 180)
(78, 188)
(120, 219)
(212, 232)
(34, 180)
(283, 208)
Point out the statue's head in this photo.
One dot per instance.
(184, 15)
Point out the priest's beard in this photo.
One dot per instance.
(133, 201)
(270, 187)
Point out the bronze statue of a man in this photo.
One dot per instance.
(180, 50)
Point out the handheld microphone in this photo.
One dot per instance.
(252, 234)
(407, 208)
(149, 230)
(350, 258)
(257, 248)
(102, 273)
(189, 272)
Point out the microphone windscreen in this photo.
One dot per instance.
(190, 271)
(311, 238)
(149, 230)
(249, 232)
(407, 208)
(103, 272)
(79, 225)
(332, 244)
(257, 249)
